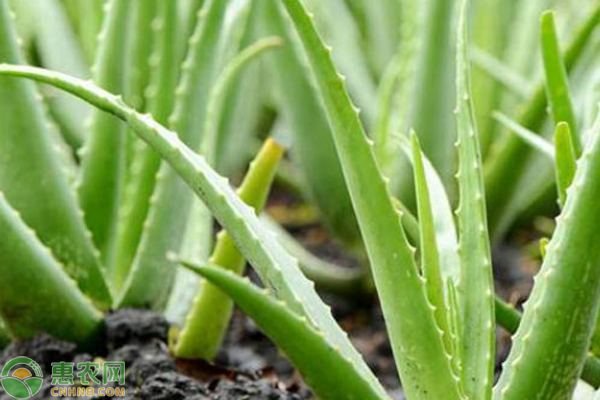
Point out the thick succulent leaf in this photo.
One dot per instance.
(221, 89)
(89, 20)
(381, 20)
(102, 156)
(158, 100)
(276, 267)
(215, 40)
(431, 113)
(143, 15)
(501, 73)
(556, 316)
(566, 160)
(423, 364)
(493, 23)
(477, 284)
(59, 49)
(335, 21)
(28, 158)
(35, 290)
(507, 164)
(301, 108)
(327, 276)
(207, 321)
(531, 138)
(557, 85)
(324, 368)
(144, 31)
(238, 123)
(509, 318)
(443, 218)
(430, 256)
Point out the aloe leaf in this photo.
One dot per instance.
(209, 317)
(196, 244)
(190, 19)
(477, 284)
(335, 21)
(421, 360)
(215, 40)
(140, 46)
(159, 99)
(509, 319)
(431, 114)
(102, 158)
(276, 267)
(491, 28)
(301, 108)
(529, 137)
(507, 164)
(566, 160)
(443, 218)
(59, 49)
(385, 103)
(222, 87)
(29, 158)
(382, 34)
(430, 257)
(322, 365)
(142, 42)
(327, 276)
(26, 266)
(502, 73)
(557, 84)
(89, 21)
(555, 314)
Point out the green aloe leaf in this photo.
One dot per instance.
(382, 35)
(26, 266)
(419, 352)
(477, 284)
(566, 160)
(207, 322)
(502, 73)
(556, 316)
(531, 138)
(329, 277)
(29, 158)
(214, 42)
(430, 256)
(431, 102)
(509, 318)
(277, 268)
(557, 84)
(221, 89)
(102, 156)
(89, 21)
(507, 164)
(59, 49)
(335, 21)
(326, 370)
(159, 100)
(443, 217)
(301, 109)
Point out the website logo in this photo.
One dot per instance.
(21, 378)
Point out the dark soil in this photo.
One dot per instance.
(140, 339)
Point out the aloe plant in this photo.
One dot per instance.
(118, 235)
(104, 253)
